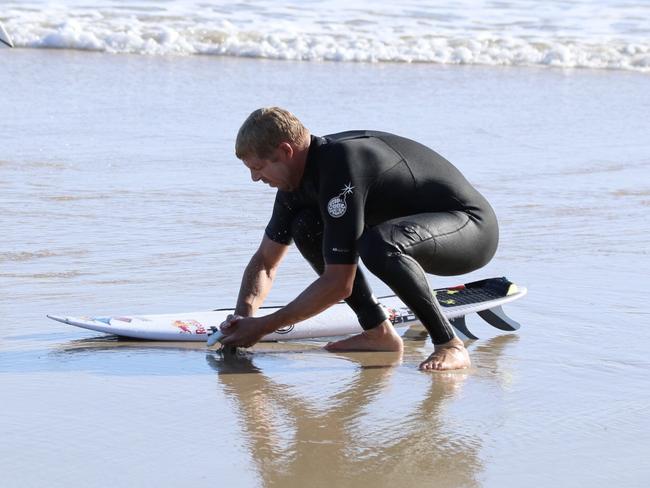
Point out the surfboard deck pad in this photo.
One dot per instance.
(485, 297)
(475, 292)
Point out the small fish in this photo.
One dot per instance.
(215, 337)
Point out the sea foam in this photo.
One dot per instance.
(584, 34)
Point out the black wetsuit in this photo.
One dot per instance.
(400, 206)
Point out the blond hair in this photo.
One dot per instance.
(265, 129)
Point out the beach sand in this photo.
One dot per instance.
(120, 194)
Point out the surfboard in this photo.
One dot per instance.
(485, 297)
(4, 37)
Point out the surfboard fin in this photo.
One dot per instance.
(496, 317)
(461, 329)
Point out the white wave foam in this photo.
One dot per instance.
(334, 30)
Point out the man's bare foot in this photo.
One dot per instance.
(381, 338)
(450, 355)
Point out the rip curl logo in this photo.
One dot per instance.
(285, 330)
(337, 206)
(401, 316)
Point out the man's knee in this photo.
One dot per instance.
(376, 248)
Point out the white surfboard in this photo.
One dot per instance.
(483, 297)
(4, 37)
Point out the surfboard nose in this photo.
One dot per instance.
(57, 318)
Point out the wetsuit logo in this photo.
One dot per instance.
(337, 206)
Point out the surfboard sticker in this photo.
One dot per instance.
(190, 326)
(4, 37)
(485, 297)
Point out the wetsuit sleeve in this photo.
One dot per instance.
(341, 205)
(279, 227)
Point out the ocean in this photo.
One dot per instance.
(120, 194)
(581, 33)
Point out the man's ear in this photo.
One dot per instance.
(286, 149)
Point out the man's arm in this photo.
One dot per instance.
(334, 285)
(258, 276)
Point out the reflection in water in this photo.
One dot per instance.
(350, 419)
(353, 441)
(112, 342)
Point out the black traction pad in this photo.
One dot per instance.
(475, 292)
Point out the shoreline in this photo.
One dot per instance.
(362, 63)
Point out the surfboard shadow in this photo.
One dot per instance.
(113, 342)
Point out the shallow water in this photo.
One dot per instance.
(120, 194)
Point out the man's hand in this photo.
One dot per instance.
(230, 319)
(243, 331)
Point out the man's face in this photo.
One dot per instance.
(273, 171)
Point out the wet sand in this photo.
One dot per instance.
(120, 194)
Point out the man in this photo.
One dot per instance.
(396, 204)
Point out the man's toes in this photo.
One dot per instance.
(427, 365)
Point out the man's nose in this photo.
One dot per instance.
(255, 175)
